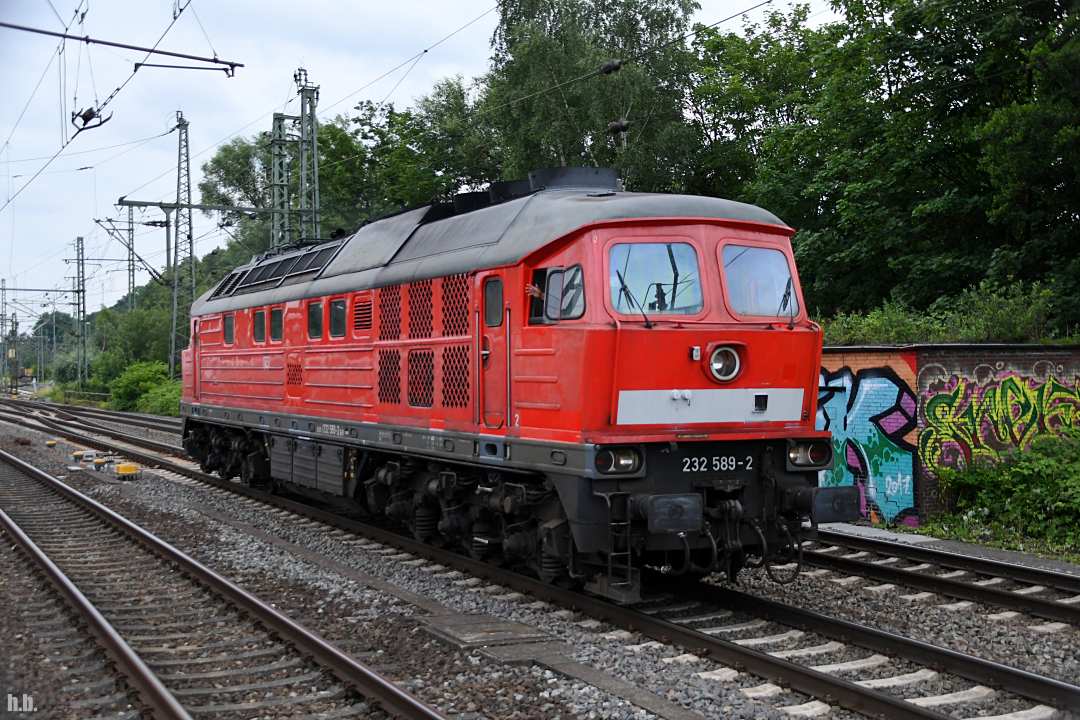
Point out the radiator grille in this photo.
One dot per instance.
(455, 376)
(421, 377)
(390, 313)
(389, 376)
(420, 309)
(455, 302)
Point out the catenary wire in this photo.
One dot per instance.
(100, 107)
(55, 54)
(266, 114)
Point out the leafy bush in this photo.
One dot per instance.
(986, 313)
(892, 323)
(1013, 313)
(163, 399)
(1033, 496)
(135, 381)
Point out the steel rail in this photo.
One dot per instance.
(174, 424)
(368, 682)
(130, 418)
(150, 689)
(119, 434)
(956, 561)
(950, 587)
(848, 694)
(58, 428)
(1022, 682)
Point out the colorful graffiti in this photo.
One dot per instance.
(869, 413)
(968, 421)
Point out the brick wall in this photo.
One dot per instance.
(900, 414)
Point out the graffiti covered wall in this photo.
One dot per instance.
(976, 408)
(867, 400)
(900, 415)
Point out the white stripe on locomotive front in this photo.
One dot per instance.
(678, 406)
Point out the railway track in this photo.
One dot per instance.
(1042, 593)
(150, 422)
(1019, 589)
(188, 641)
(787, 646)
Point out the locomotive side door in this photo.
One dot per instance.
(491, 334)
(195, 360)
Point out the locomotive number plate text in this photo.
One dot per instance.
(717, 463)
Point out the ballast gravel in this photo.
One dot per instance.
(165, 503)
(968, 630)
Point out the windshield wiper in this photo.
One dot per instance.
(630, 295)
(786, 302)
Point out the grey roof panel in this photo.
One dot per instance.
(375, 244)
(403, 248)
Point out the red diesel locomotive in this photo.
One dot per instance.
(556, 375)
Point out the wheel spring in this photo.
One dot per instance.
(551, 566)
(425, 521)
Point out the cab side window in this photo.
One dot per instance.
(314, 320)
(493, 302)
(337, 318)
(277, 323)
(556, 294)
(228, 328)
(258, 326)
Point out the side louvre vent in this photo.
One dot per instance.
(455, 376)
(294, 374)
(420, 309)
(361, 314)
(421, 377)
(389, 376)
(455, 304)
(390, 313)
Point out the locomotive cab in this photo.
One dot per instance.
(696, 368)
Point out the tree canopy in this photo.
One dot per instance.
(927, 151)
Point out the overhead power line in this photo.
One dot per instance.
(412, 59)
(232, 65)
(55, 54)
(612, 66)
(95, 113)
(365, 86)
(93, 150)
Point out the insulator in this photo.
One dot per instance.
(611, 66)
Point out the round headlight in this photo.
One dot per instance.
(818, 453)
(618, 460)
(724, 363)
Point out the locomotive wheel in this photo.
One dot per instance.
(248, 473)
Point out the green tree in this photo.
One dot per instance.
(547, 115)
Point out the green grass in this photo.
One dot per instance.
(970, 528)
(1030, 501)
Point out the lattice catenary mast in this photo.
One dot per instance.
(309, 157)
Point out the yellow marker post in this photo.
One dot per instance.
(127, 471)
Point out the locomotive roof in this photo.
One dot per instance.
(410, 246)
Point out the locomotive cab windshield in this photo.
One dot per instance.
(758, 281)
(658, 278)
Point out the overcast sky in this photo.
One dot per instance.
(343, 45)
